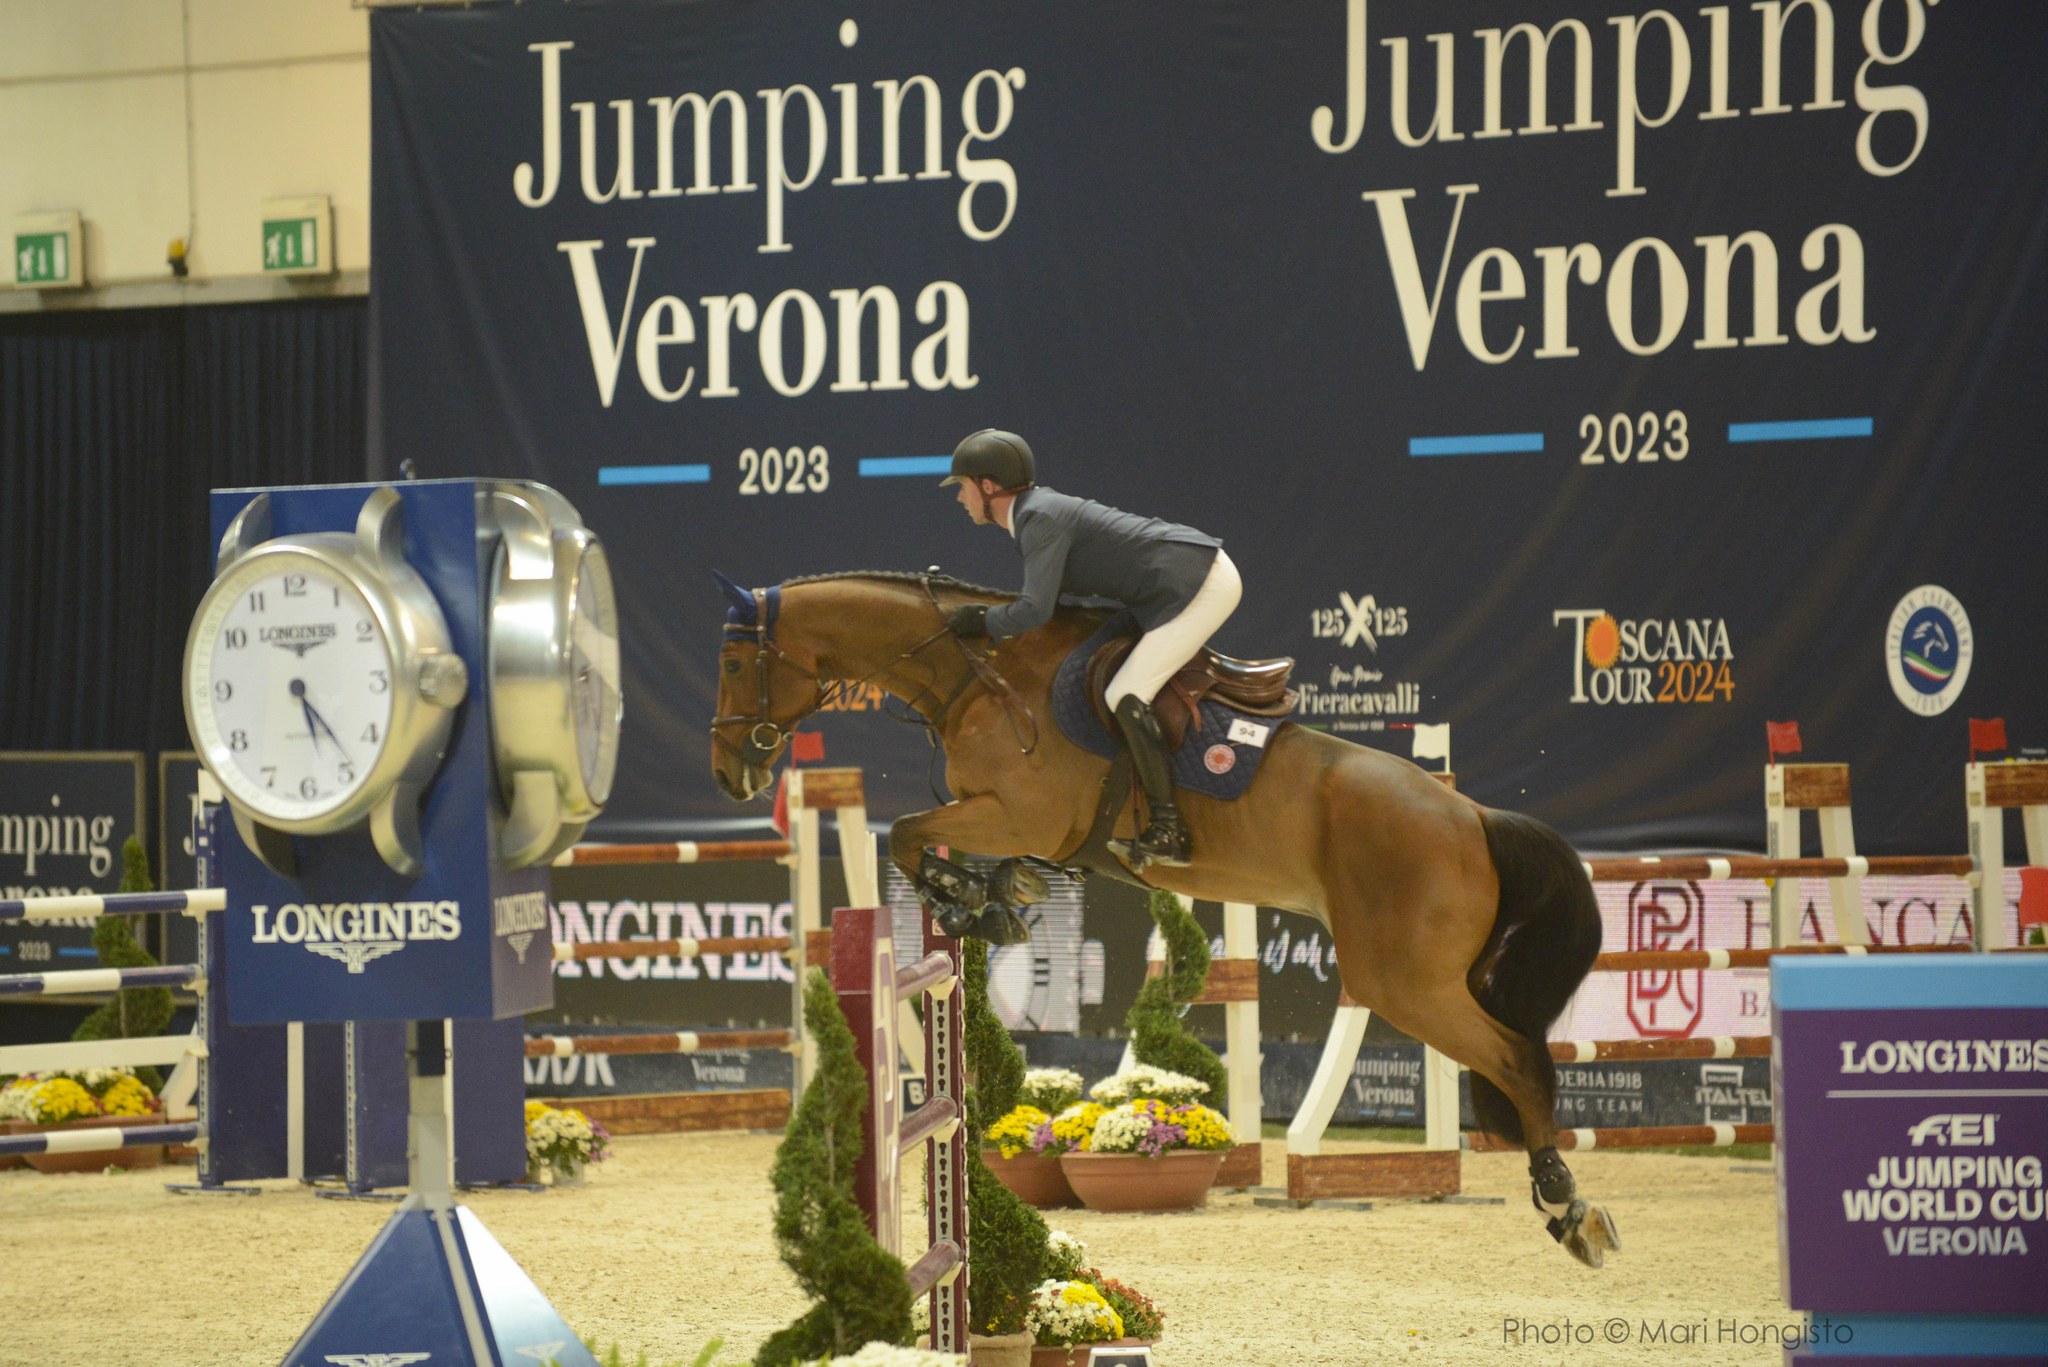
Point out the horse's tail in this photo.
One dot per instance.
(1544, 940)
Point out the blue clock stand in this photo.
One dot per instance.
(434, 1287)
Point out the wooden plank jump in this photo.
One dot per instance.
(1709, 868)
(91, 906)
(1719, 1136)
(673, 852)
(71, 982)
(666, 1042)
(1641, 1050)
(568, 951)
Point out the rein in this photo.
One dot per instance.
(982, 669)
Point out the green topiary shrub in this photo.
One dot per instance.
(136, 1012)
(860, 1291)
(1157, 1035)
(1005, 1238)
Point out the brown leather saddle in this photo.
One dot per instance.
(1255, 686)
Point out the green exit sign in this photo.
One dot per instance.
(290, 244)
(46, 251)
(298, 236)
(41, 258)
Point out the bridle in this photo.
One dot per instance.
(765, 736)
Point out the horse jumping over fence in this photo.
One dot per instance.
(1465, 926)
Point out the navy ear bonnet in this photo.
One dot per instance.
(743, 611)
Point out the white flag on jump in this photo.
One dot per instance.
(1433, 742)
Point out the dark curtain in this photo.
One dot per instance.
(114, 424)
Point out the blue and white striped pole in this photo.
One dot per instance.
(93, 905)
(98, 1138)
(76, 981)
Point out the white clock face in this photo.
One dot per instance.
(292, 686)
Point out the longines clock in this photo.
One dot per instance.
(554, 649)
(320, 683)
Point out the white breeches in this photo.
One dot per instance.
(1161, 652)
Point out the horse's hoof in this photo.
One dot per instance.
(1600, 1231)
(1588, 1233)
(995, 923)
(1017, 883)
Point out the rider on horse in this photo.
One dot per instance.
(1176, 581)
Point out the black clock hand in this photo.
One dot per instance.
(307, 708)
(315, 723)
(321, 722)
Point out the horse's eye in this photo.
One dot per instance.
(732, 666)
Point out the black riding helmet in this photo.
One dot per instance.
(993, 454)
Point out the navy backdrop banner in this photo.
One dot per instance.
(1603, 416)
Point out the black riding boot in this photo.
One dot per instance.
(1165, 840)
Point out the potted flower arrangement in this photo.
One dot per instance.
(1149, 1154)
(1077, 1309)
(86, 1099)
(1023, 1148)
(561, 1143)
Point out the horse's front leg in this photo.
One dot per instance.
(965, 903)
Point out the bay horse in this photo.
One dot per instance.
(1464, 926)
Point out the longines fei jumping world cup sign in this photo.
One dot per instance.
(1912, 1113)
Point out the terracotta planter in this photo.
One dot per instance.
(1129, 1181)
(146, 1156)
(999, 1350)
(1036, 1178)
(1077, 1355)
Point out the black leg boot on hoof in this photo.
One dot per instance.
(1165, 840)
(941, 880)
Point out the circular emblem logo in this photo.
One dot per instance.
(1927, 650)
(1220, 759)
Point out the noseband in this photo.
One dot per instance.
(765, 736)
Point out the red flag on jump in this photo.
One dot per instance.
(806, 747)
(780, 820)
(1986, 735)
(1784, 738)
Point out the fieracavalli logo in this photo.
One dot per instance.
(1927, 650)
(1648, 659)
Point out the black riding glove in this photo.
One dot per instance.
(971, 620)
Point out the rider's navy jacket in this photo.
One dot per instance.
(1075, 545)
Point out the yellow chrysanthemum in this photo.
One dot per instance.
(127, 1096)
(1012, 1134)
(60, 1099)
(1075, 1126)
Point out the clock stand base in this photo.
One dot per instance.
(434, 1286)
